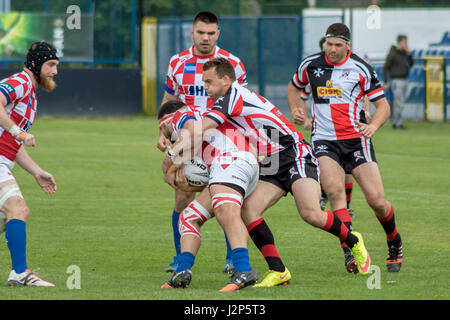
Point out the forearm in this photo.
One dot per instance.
(24, 160)
(6, 122)
(293, 98)
(381, 114)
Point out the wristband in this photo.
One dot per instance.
(373, 127)
(17, 132)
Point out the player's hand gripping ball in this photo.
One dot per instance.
(196, 172)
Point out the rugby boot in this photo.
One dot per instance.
(361, 254)
(178, 280)
(240, 280)
(394, 259)
(274, 278)
(350, 263)
(27, 279)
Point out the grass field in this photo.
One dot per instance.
(111, 217)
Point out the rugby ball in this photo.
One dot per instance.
(196, 172)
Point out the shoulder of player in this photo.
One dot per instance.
(364, 68)
(20, 83)
(316, 57)
(180, 57)
(359, 61)
(228, 55)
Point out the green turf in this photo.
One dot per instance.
(111, 216)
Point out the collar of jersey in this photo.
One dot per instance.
(29, 79)
(205, 57)
(340, 63)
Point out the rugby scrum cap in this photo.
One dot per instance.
(39, 53)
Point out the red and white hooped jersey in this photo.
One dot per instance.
(184, 76)
(224, 140)
(257, 118)
(338, 92)
(21, 106)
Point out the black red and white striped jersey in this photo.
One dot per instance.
(338, 92)
(221, 141)
(184, 76)
(21, 106)
(257, 118)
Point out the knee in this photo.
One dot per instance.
(183, 199)
(376, 201)
(335, 193)
(20, 212)
(249, 215)
(311, 216)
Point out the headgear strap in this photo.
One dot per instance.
(337, 36)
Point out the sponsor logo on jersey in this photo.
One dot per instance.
(345, 73)
(190, 67)
(318, 72)
(7, 87)
(329, 91)
(198, 91)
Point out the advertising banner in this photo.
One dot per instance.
(71, 35)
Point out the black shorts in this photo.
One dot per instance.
(348, 153)
(285, 167)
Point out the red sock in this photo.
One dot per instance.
(335, 226)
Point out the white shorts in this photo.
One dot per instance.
(6, 167)
(239, 168)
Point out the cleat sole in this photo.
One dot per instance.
(230, 288)
(352, 267)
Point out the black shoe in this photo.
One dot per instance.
(181, 279)
(240, 280)
(350, 263)
(395, 258)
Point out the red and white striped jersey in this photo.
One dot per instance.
(21, 105)
(338, 94)
(184, 76)
(224, 140)
(257, 118)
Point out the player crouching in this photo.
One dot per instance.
(233, 176)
